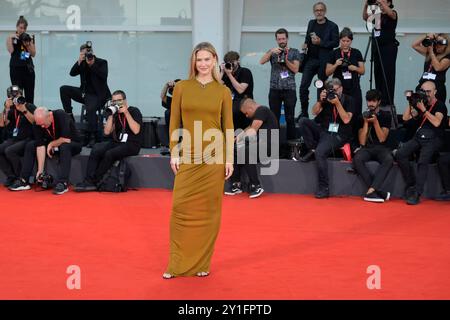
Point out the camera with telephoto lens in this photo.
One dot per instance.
(89, 52)
(368, 114)
(111, 108)
(45, 180)
(427, 42)
(12, 92)
(331, 93)
(19, 100)
(415, 97)
(372, 2)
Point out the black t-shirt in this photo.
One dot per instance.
(18, 120)
(313, 50)
(384, 118)
(20, 57)
(439, 131)
(354, 56)
(387, 32)
(168, 103)
(327, 116)
(119, 120)
(428, 68)
(270, 123)
(242, 75)
(61, 127)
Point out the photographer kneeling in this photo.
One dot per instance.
(124, 123)
(329, 131)
(372, 138)
(427, 114)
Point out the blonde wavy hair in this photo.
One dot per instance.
(210, 48)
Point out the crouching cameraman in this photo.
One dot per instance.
(124, 124)
(372, 138)
(428, 116)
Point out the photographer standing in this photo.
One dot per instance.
(55, 134)
(322, 36)
(387, 58)
(329, 131)
(166, 100)
(18, 118)
(347, 64)
(372, 138)
(429, 116)
(436, 50)
(285, 62)
(22, 48)
(124, 124)
(93, 92)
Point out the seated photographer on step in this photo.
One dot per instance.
(329, 131)
(428, 116)
(373, 135)
(124, 125)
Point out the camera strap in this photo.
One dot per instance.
(424, 116)
(17, 116)
(123, 123)
(348, 55)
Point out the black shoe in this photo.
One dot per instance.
(233, 189)
(322, 193)
(255, 191)
(61, 187)
(91, 142)
(443, 196)
(413, 197)
(384, 195)
(373, 197)
(308, 156)
(19, 185)
(9, 181)
(303, 115)
(85, 186)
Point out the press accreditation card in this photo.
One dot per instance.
(284, 74)
(123, 137)
(429, 76)
(334, 127)
(347, 75)
(15, 132)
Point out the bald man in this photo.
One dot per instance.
(428, 118)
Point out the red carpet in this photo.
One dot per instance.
(274, 247)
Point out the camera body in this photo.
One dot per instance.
(45, 180)
(228, 66)
(19, 100)
(12, 92)
(331, 93)
(368, 114)
(346, 62)
(415, 97)
(25, 37)
(89, 52)
(111, 109)
(282, 56)
(427, 42)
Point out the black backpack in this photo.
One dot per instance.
(116, 179)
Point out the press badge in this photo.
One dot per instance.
(334, 127)
(123, 137)
(347, 75)
(15, 132)
(284, 74)
(377, 33)
(429, 76)
(232, 96)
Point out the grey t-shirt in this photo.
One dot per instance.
(281, 77)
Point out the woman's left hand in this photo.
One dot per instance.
(228, 170)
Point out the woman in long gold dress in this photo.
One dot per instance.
(202, 162)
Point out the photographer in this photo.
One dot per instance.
(55, 134)
(93, 92)
(428, 116)
(347, 64)
(329, 131)
(240, 81)
(372, 138)
(19, 120)
(166, 100)
(322, 36)
(436, 50)
(385, 37)
(124, 124)
(22, 48)
(285, 62)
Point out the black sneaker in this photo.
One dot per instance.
(373, 197)
(322, 193)
(384, 195)
(413, 197)
(60, 188)
(9, 181)
(19, 185)
(85, 186)
(308, 156)
(255, 191)
(443, 196)
(233, 189)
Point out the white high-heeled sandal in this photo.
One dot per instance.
(168, 276)
(202, 274)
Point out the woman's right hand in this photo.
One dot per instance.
(175, 164)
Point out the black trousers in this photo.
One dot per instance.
(427, 148)
(289, 98)
(246, 162)
(103, 156)
(379, 153)
(29, 159)
(25, 79)
(444, 170)
(388, 55)
(92, 103)
(324, 144)
(312, 67)
(11, 152)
